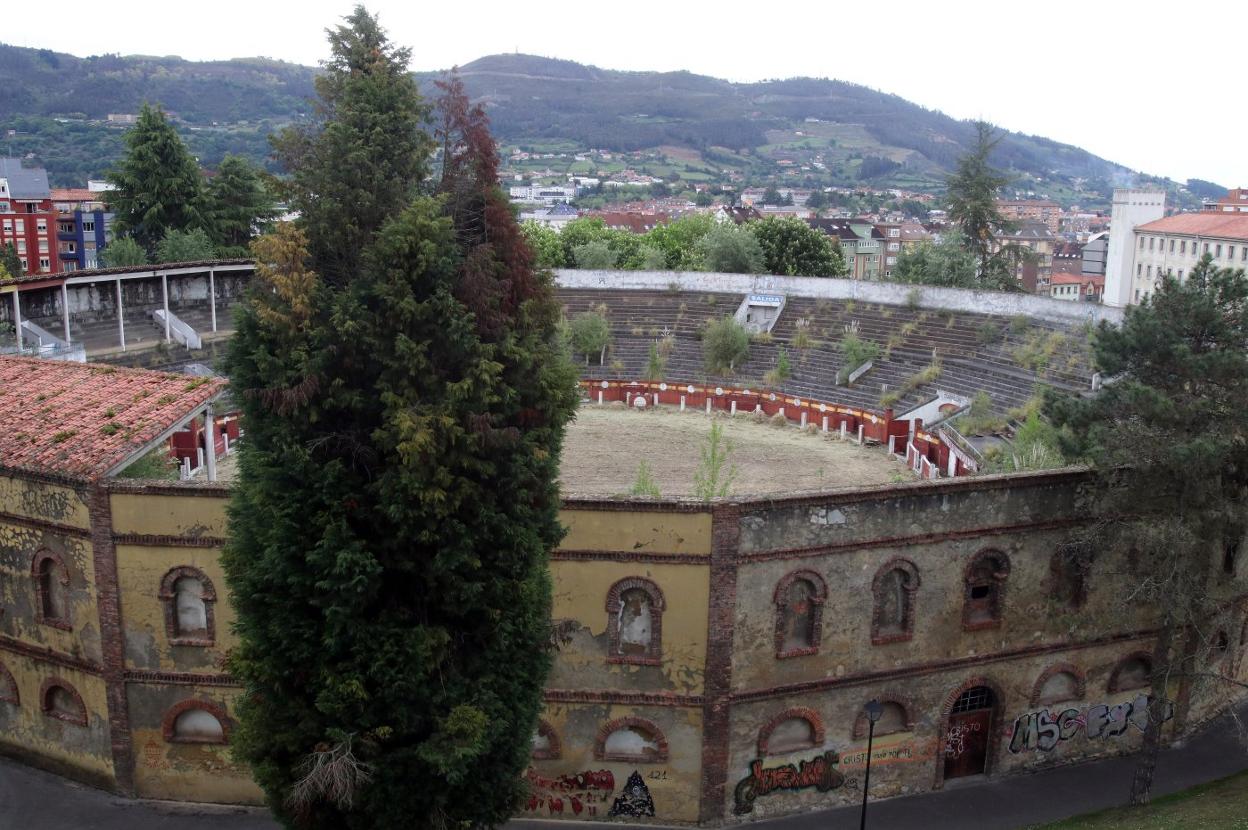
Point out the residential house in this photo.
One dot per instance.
(862, 244)
(1033, 271)
(1032, 210)
(1064, 285)
(27, 218)
(82, 227)
(1235, 201)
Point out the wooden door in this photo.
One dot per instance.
(966, 743)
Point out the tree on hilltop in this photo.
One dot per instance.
(158, 187)
(405, 403)
(1168, 439)
(972, 204)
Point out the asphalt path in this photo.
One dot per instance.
(35, 800)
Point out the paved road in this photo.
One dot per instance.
(33, 800)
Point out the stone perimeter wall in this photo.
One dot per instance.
(889, 293)
(719, 719)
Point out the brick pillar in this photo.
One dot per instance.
(108, 600)
(716, 712)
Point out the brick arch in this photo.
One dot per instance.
(1112, 686)
(168, 599)
(970, 620)
(45, 701)
(8, 687)
(555, 750)
(170, 719)
(654, 652)
(1081, 681)
(799, 712)
(61, 574)
(643, 724)
(907, 707)
(816, 612)
(946, 710)
(911, 586)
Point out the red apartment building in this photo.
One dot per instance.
(27, 217)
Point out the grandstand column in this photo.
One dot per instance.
(210, 441)
(164, 288)
(121, 317)
(212, 297)
(16, 316)
(65, 310)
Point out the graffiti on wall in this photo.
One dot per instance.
(818, 773)
(903, 753)
(634, 801)
(1043, 730)
(957, 735)
(575, 794)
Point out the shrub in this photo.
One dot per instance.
(855, 351)
(644, 484)
(715, 473)
(725, 343)
(987, 333)
(914, 297)
(655, 365)
(590, 334)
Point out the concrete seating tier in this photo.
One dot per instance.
(977, 352)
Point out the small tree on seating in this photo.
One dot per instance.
(589, 333)
(725, 343)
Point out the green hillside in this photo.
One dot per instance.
(800, 131)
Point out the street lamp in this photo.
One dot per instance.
(874, 710)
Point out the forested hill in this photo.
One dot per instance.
(55, 102)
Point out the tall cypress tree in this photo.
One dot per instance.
(397, 496)
(362, 158)
(158, 185)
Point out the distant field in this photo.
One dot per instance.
(605, 445)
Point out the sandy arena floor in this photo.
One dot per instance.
(605, 444)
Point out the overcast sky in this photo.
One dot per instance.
(1128, 81)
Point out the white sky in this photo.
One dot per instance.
(1128, 81)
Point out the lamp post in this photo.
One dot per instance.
(874, 710)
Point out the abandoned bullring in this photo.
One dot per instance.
(868, 538)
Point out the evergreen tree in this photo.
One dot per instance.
(158, 185)
(972, 199)
(397, 501)
(362, 159)
(1167, 439)
(238, 204)
(10, 261)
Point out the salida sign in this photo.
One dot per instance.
(818, 773)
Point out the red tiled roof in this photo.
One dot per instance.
(76, 194)
(1234, 226)
(1063, 278)
(55, 415)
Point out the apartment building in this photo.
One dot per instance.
(1173, 245)
(27, 218)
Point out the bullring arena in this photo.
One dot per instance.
(718, 653)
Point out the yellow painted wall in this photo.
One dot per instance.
(580, 594)
(640, 531)
(26, 730)
(139, 572)
(674, 784)
(46, 502)
(178, 771)
(18, 598)
(169, 515)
